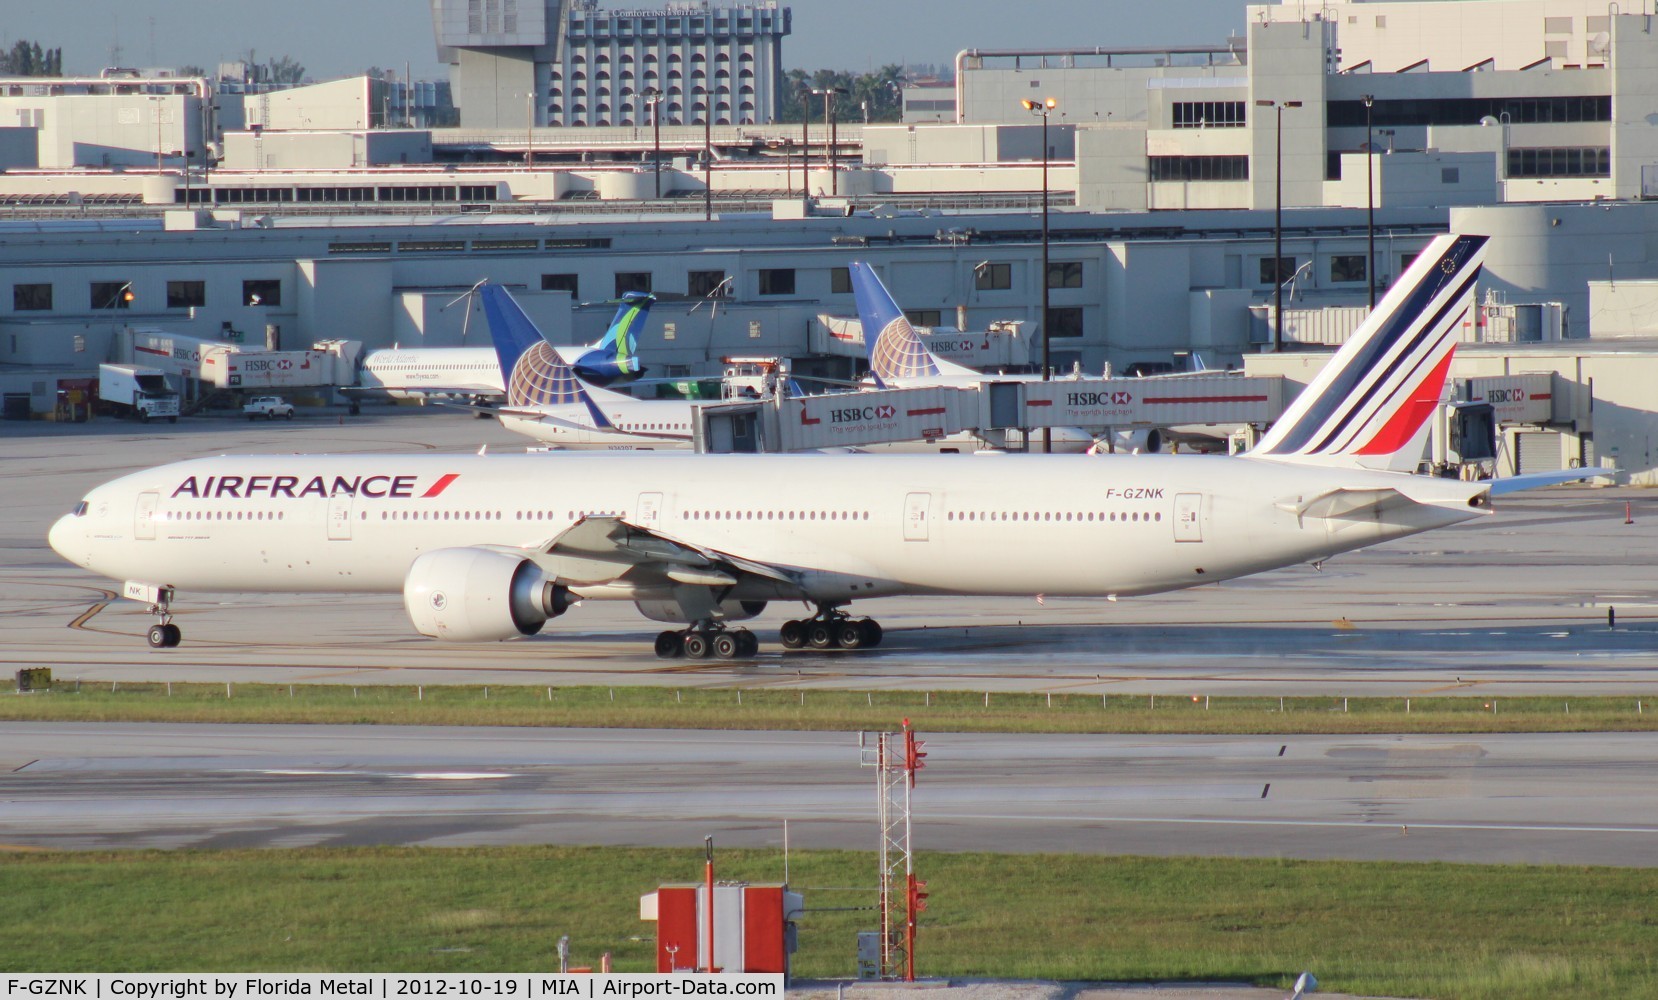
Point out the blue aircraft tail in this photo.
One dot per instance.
(895, 350)
(616, 357)
(533, 372)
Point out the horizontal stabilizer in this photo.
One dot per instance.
(1536, 480)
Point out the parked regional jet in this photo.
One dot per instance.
(475, 372)
(490, 547)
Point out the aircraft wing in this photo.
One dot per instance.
(602, 550)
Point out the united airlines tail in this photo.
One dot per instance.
(616, 357)
(534, 373)
(897, 357)
(1369, 407)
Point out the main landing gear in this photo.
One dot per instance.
(831, 628)
(707, 639)
(164, 634)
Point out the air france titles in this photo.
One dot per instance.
(295, 487)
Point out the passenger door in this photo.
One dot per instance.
(143, 522)
(339, 517)
(917, 516)
(1188, 517)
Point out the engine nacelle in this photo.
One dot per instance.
(479, 595)
(670, 611)
(1144, 440)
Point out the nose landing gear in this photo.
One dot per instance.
(164, 634)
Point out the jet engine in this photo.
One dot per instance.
(480, 595)
(1144, 440)
(670, 611)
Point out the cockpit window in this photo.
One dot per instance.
(80, 509)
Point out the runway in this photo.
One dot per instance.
(1512, 604)
(1563, 799)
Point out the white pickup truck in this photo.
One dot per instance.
(269, 407)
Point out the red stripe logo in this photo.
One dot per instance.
(926, 412)
(1415, 409)
(441, 485)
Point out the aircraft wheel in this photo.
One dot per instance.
(174, 635)
(669, 645)
(872, 632)
(792, 635)
(728, 645)
(849, 635)
(697, 646)
(158, 637)
(355, 410)
(820, 635)
(750, 642)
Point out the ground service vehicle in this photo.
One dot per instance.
(137, 391)
(269, 407)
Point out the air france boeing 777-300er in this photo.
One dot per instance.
(490, 547)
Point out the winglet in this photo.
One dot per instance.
(1369, 406)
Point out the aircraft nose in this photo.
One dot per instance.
(68, 539)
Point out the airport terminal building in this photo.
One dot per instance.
(1164, 173)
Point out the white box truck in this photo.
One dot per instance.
(134, 390)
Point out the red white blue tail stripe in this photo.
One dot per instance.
(1370, 405)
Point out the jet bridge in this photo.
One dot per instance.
(995, 411)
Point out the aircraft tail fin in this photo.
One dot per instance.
(1370, 405)
(897, 357)
(616, 357)
(533, 372)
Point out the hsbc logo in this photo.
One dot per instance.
(855, 414)
(1505, 396)
(285, 364)
(1098, 398)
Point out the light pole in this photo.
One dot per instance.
(1278, 226)
(1043, 108)
(529, 129)
(805, 142)
(708, 159)
(1369, 201)
(653, 98)
(1502, 119)
(829, 94)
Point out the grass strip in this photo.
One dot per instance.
(817, 709)
(1402, 930)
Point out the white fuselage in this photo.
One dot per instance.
(844, 526)
(426, 371)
